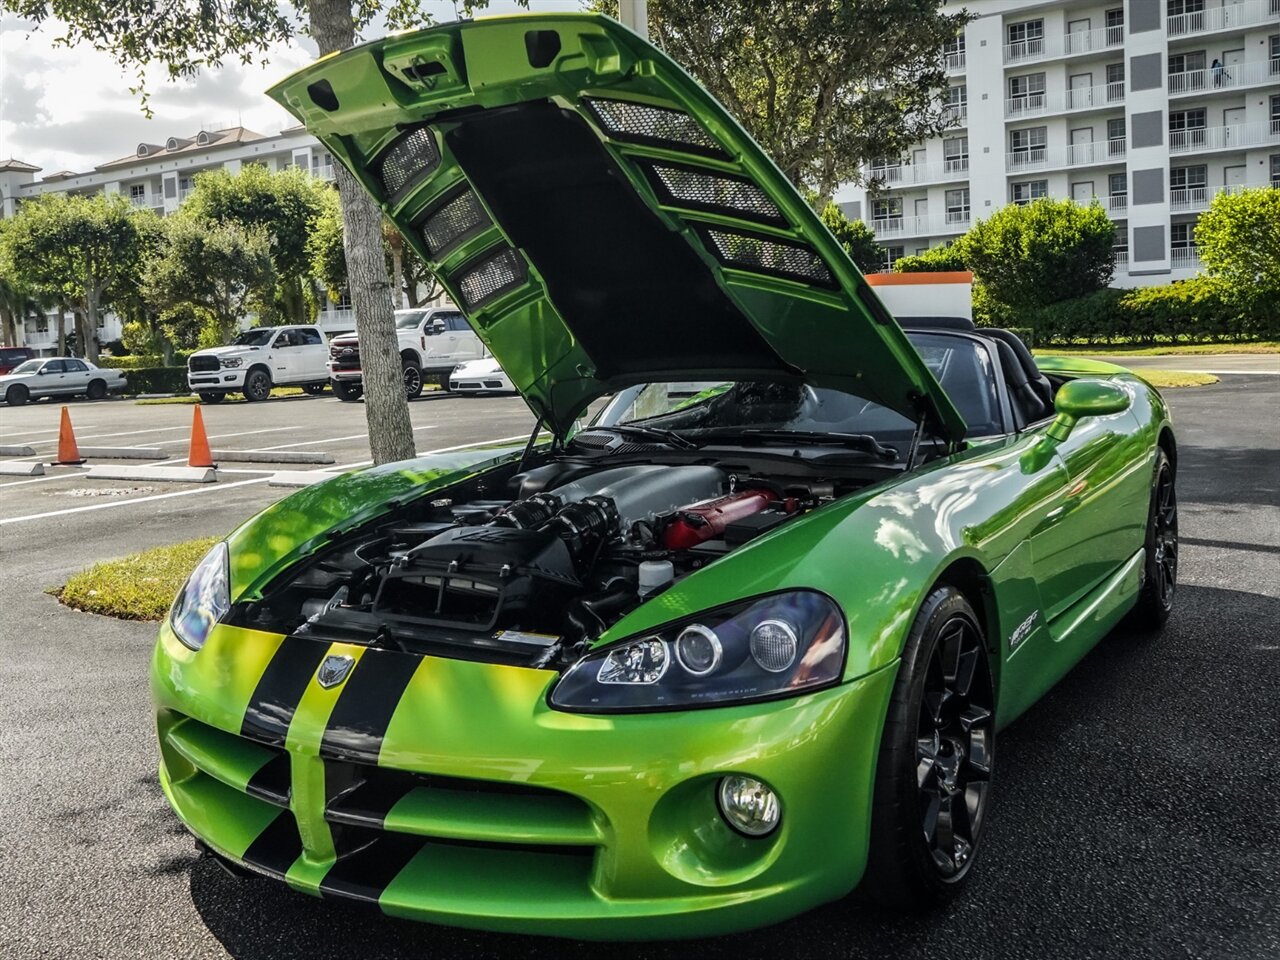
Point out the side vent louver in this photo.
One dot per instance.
(642, 123)
(715, 192)
(409, 160)
(745, 251)
(457, 219)
(489, 276)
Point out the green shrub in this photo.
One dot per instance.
(1026, 334)
(139, 361)
(1095, 318)
(157, 380)
(936, 260)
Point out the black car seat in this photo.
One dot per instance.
(1038, 392)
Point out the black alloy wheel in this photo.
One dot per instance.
(211, 397)
(1160, 569)
(257, 386)
(346, 391)
(97, 390)
(17, 395)
(937, 756)
(412, 380)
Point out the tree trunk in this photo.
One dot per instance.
(10, 332)
(385, 406)
(62, 331)
(397, 276)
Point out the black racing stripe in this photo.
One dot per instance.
(272, 782)
(370, 696)
(279, 689)
(363, 875)
(368, 804)
(276, 847)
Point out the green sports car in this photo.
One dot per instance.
(734, 632)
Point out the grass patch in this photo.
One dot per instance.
(1170, 349)
(140, 586)
(192, 398)
(1164, 379)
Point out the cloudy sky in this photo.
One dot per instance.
(70, 108)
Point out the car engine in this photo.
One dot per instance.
(531, 579)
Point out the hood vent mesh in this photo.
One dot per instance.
(721, 193)
(761, 255)
(641, 122)
(408, 160)
(493, 275)
(451, 223)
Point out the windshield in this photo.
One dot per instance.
(30, 366)
(962, 365)
(258, 337)
(408, 319)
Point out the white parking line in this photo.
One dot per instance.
(354, 436)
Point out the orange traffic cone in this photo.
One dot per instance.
(68, 452)
(199, 455)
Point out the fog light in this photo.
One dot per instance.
(749, 806)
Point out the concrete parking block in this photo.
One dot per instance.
(299, 478)
(172, 474)
(17, 452)
(273, 456)
(125, 453)
(30, 468)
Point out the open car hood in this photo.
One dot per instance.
(599, 218)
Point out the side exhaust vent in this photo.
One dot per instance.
(642, 123)
(459, 218)
(714, 192)
(747, 251)
(409, 160)
(489, 276)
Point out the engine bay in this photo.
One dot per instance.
(531, 576)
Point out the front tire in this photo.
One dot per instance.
(346, 391)
(937, 754)
(1160, 569)
(209, 397)
(315, 389)
(257, 386)
(97, 390)
(17, 395)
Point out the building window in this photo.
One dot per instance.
(1026, 92)
(1028, 190)
(1275, 114)
(1186, 128)
(921, 251)
(1179, 7)
(958, 205)
(1117, 193)
(1275, 169)
(42, 323)
(1186, 72)
(1186, 62)
(953, 51)
(892, 255)
(957, 101)
(138, 195)
(1182, 236)
(1115, 26)
(1187, 178)
(955, 154)
(1275, 54)
(1028, 145)
(1025, 39)
(889, 209)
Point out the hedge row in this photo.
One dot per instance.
(157, 380)
(139, 361)
(1193, 311)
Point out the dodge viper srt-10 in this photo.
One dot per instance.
(734, 633)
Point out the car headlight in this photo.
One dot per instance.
(780, 645)
(204, 600)
(231, 361)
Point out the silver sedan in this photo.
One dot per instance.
(58, 377)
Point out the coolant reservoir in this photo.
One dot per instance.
(654, 575)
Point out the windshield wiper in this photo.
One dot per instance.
(669, 437)
(863, 442)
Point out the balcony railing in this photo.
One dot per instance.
(1028, 105)
(911, 173)
(183, 193)
(955, 61)
(1185, 258)
(1066, 45)
(956, 113)
(1249, 74)
(1232, 137)
(1229, 16)
(1195, 199)
(1102, 95)
(139, 201)
(1122, 258)
(955, 221)
(1118, 205)
(323, 171)
(1075, 155)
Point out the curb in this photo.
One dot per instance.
(299, 478)
(15, 469)
(17, 452)
(174, 474)
(273, 456)
(125, 453)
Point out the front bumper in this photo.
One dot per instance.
(226, 378)
(448, 791)
(345, 370)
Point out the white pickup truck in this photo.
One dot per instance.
(432, 342)
(261, 358)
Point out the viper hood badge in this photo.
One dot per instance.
(334, 669)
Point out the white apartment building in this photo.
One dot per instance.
(1115, 101)
(159, 176)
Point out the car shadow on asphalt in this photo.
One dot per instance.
(1140, 758)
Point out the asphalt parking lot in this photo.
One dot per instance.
(1135, 806)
